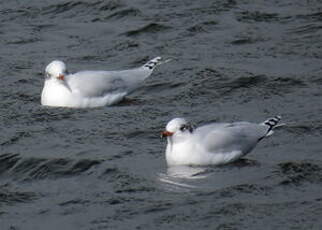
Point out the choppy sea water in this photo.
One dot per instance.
(104, 168)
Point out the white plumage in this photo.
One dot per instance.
(91, 88)
(213, 144)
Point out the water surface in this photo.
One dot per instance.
(104, 168)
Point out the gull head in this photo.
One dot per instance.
(56, 69)
(178, 127)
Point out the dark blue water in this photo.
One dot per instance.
(105, 168)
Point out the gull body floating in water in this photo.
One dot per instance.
(92, 88)
(213, 144)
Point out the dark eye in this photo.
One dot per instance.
(186, 127)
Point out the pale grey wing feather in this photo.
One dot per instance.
(100, 83)
(227, 137)
(95, 83)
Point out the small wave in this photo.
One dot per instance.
(110, 5)
(15, 138)
(42, 26)
(312, 17)
(296, 173)
(137, 133)
(80, 6)
(242, 41)
(67, 6)
(21, 41)
(131, 12)
(150, 28)
(73, 202)
(130, 102)
(10, 197)
(212, 82)
(305, 128)
(47, 114)
(231, 191)
(289, 81)
(59, 8)
(126, 45)
(214, 7)
(247, 82)
(246, 41)
(160, 87)
(256, 16)
(210, 78)
(7, 161)
(263, 85)
(283, 85)
(158, 207)
(110, 171)
(251, 82)
(252, 188)
(40, 168)
(25, 97)
(306, 29)
(137, 189)
(202, 27)
(124, 13)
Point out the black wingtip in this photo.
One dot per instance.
(153, 63)
(272, 122)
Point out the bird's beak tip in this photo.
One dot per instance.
(166, 134)
(61, 77)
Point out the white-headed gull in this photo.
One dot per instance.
(91, 88)
(215, 143)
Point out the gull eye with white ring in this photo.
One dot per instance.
(185, 127)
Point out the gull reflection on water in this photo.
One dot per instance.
(204, 178)
(183, 177)
(188, 172)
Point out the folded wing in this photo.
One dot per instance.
(239, 136)
(100, 83)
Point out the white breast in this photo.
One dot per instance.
(55, 93)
